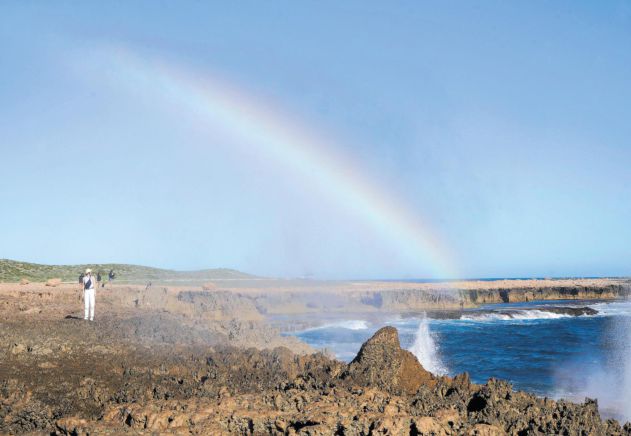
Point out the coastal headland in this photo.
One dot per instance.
(208, 358)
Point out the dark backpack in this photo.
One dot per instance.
(88, 284)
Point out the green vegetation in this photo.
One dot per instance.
(12, 271)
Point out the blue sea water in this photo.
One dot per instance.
(542, 352)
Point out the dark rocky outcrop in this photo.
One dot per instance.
(572, 311)
(381, 362)
(228, 390)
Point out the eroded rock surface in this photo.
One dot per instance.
(168, 360)
(382, 363)
(158, 387)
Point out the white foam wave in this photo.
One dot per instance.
(533, 314)
(425, 349)
(614, 308)
(351, 324)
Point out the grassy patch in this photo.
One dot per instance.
(12, 271)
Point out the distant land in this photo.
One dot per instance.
(14, 271)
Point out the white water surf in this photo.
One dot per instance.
(516, 315)
(425, 350)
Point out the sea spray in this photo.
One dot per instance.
(609, 380)
(425, 349)
(623, 360)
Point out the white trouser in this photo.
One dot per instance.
(88, 299)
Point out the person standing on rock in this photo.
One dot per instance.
(89, 294)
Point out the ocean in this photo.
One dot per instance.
(535, 346)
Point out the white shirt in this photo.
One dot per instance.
(89, 277)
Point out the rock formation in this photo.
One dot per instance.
(181, 361)
(172, 388)
(382, 363)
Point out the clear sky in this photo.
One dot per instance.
(503, 128)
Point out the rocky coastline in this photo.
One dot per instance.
(170, 360)
(367, 297)
(228, 390)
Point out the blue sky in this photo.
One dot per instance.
(503, 125)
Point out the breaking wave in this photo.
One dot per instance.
(533, 314)
(351, 324)
(425, 350)
(616, 308)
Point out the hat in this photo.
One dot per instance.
(88, 271)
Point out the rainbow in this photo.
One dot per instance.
(287, 143)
